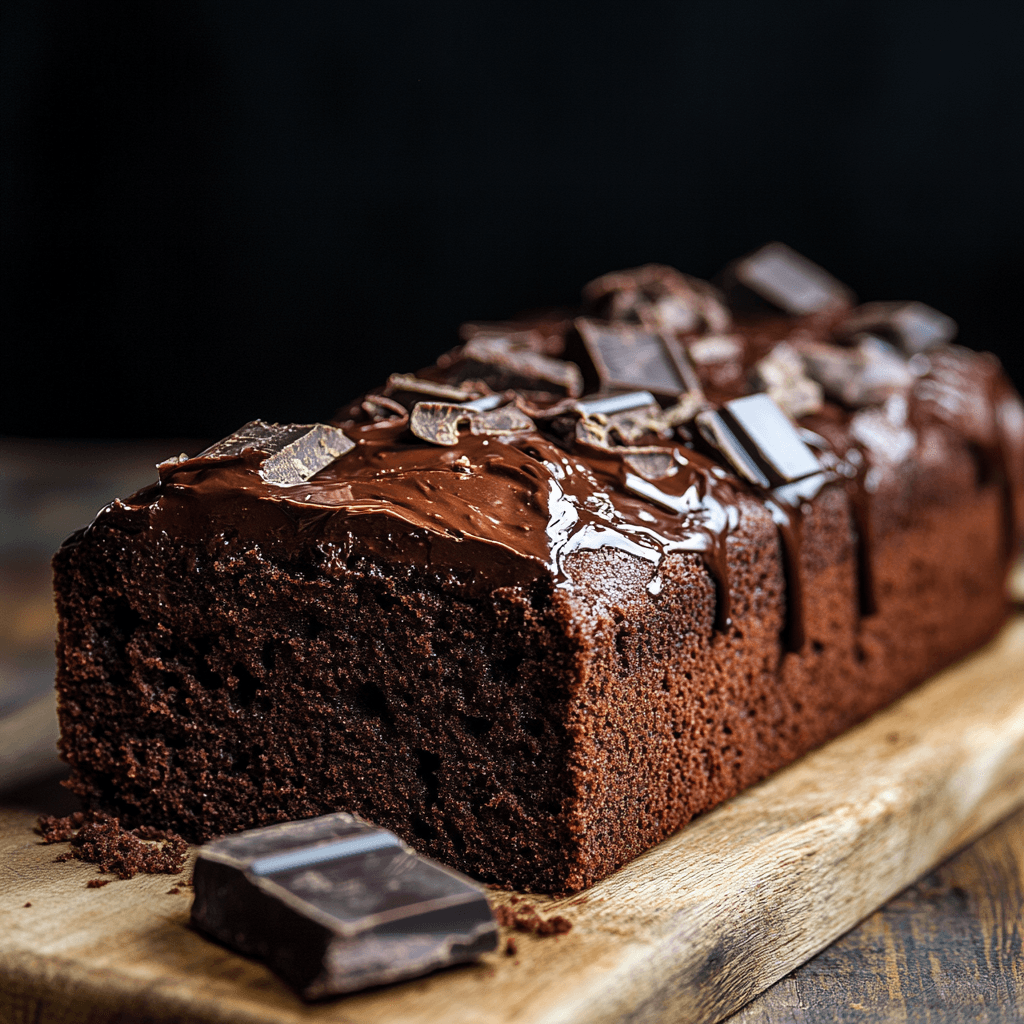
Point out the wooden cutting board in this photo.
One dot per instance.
(688, 932)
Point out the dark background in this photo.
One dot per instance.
(217, 211)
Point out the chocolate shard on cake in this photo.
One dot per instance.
(334, 905)
(514, 360)
(628, 358)
(759, 441)
(914, 326)
(534, 634)
(778, 277)
(284, 453)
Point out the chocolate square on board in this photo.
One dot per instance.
(629, 358)
(334, 904)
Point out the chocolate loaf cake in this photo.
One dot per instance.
(534, 632)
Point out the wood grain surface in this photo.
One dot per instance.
(691, 931)
(947, 949)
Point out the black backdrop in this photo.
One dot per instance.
(216, 211)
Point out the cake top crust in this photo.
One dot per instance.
(489, 470)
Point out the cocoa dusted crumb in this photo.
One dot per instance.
(60, 830)
(524, 918)
(28, 905)
(100, 839)
(97, 883)
(173, 891)
(510, 946)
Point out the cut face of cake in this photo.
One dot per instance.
(534, 633)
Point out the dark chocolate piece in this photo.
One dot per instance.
(650, 462)
(781, 277)
(504, 363)
(760, 442)
(658, 297)
(506, 420)
(914, 326)
(865, 374)
(334, 905)
(288, 453)
(627, 358)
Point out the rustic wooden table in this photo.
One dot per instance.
(949, 948)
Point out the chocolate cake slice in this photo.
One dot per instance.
(533, 633)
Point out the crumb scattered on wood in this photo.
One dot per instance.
(173, 891)
(99, 839)
(97, 883)
(28, 904)
(524, 917)
(510, 946)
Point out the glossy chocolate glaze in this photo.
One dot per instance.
(510, 510)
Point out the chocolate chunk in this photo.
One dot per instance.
(438, 422)
(715, 349)
(543, 333)
(618, 419)
(760, 442)
(659, 298)
(503, 362)
(506, 420)
(865, 374)
(627, 358)
(913, 326)
(782, 375)
(651, 463)
(785, 280)
(335, 905)
(289, 453)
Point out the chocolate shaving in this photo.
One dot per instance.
(504, 363)
(682, 412)
(380, 407)
(463, 392)
(658, 297)
(782, 375)
(438, 422)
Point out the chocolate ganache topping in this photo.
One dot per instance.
(490, 488)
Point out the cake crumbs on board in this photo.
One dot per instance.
(523, 916)
(99, 839)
